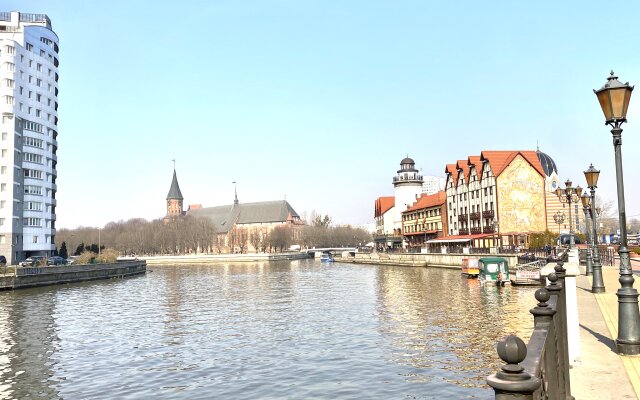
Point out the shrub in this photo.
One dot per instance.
(86, 257)
(107, 256)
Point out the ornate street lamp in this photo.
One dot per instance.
(586, 203)
(569, 195)
(559, 218)
(591, 175)
(614, 99)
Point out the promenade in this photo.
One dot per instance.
(601, 373)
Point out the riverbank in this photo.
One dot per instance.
(218, 258)
(25, 277)
(438, 260)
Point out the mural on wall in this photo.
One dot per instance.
(521, 198)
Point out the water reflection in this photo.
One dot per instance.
(259, 330)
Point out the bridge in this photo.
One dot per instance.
(329, 250)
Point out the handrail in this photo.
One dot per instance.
(539, 369)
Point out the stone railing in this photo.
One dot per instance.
(540, 369)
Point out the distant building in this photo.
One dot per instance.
(388, 210)
(426, 219)
(500, 197)
(239, 227)
(433, 184)
(29, 107)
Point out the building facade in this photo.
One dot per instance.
(433, 184)
(28, 146)
(500, 197)
(239, 227)
(425, 220)
(407, 186)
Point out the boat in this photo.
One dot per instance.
(327, 258)
(470, 267)
(493, 269)
(529, 273)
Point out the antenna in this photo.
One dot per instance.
(174, 164)
(235, 190)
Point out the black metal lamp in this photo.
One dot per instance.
(591, 175)
(614, 99)
(569, 195)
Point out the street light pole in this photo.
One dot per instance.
(569, 195)
(559, 218)
(614, 99)
(597, 285)
(586, 201)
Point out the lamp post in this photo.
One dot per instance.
(569, 195)
(559, 218)
(586, 201)
(591, 175)
(614, 99)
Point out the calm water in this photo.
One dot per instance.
(299, 330)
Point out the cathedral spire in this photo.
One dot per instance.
(174, 197)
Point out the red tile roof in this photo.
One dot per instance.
(464, 166)
(451, 169)
(424, 201)
(499, 160)
(477, 163)
(384, 204)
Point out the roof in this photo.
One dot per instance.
(174, 190)
(451, 169)
(464, 166)
(224, 217)
(477, 163)
(431, 200)
(407, 160)
(548, 165)
(384, 204)
(499, 160)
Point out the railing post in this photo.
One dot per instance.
(513, 382)
(543, 317)
(561, 324)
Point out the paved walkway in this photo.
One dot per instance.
(601, 373)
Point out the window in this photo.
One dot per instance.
(4, 136)
(10, 49)
(8, 100)
(1, 221)
(35, 239)
(9, 66)
(3, 203)
(39, 82)
(3, 187)
(32, 126)
(42, 53)
(3, 239)
(37, 113)
(32, 222)
(39, 67)
(3, 170)
(33, 142)
(31, 189)
(10, 83)
(38, 97)
(32, 173)
(34, 158)
(29, 46)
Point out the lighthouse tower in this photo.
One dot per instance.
(407, 187)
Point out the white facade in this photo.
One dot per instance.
(407, 187)
(28, 142)
(433, 184)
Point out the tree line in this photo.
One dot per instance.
(198, 235)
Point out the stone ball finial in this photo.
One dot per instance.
(542, 295)
(553, 277)
(513, 351)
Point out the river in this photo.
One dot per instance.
(282, 330)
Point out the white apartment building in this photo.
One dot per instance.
(28, 142)
(433, 184)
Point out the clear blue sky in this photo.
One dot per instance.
(319, 101)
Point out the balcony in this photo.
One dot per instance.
(475, 215)
(463, 231)
(463, 217)
(476, 230)
(487, 214)
(489, 229)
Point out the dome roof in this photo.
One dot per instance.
(407, 160)
(548, 165)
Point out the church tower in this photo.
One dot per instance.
(174, 198)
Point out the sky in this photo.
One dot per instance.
(317, 102)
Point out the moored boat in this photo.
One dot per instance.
(493, 269)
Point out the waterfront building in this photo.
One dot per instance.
(239, 227)
(426, 219)
(388, 210)
(499, 198)
(28, 146)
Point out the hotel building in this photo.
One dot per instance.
(29, 129)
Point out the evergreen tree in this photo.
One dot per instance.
(79, 250)
(63, 250)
